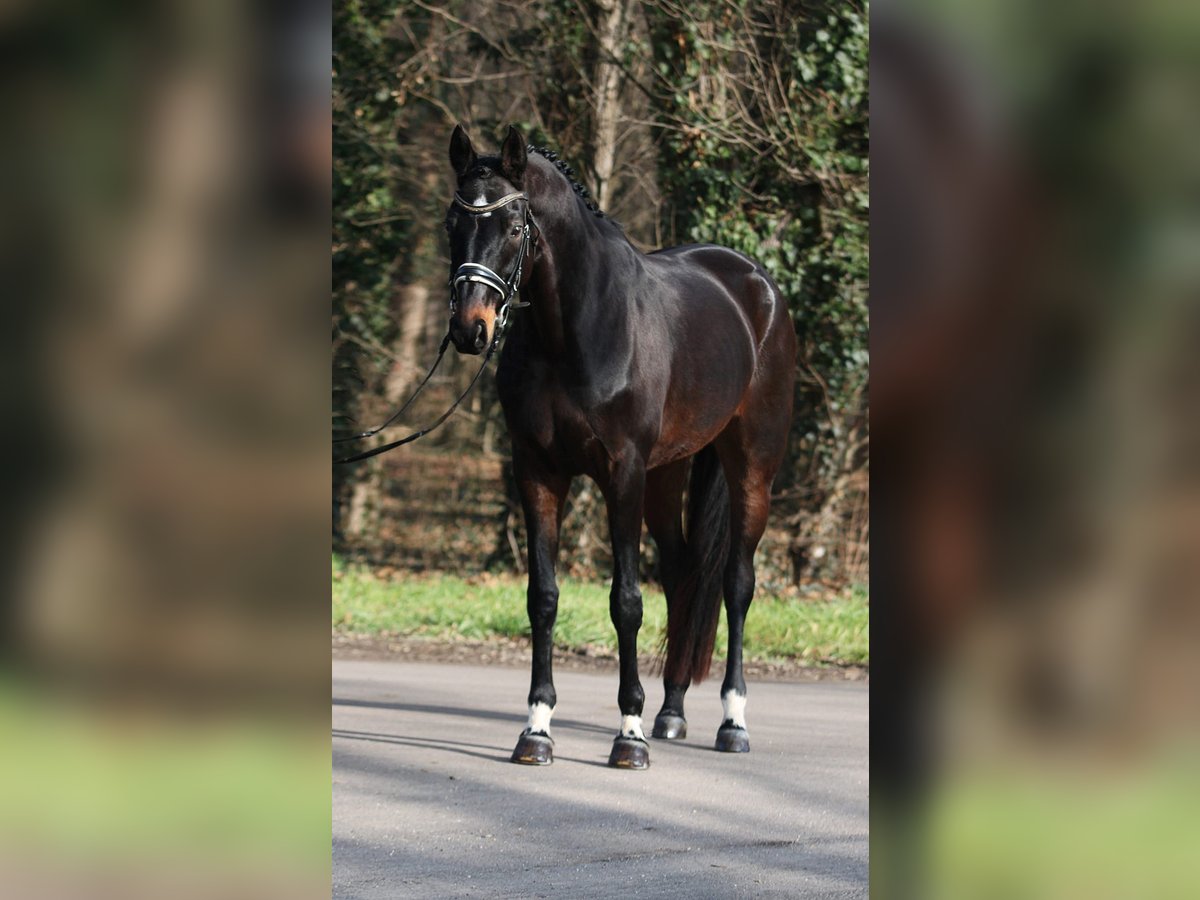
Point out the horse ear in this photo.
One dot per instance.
(512, 157)
(462, 154)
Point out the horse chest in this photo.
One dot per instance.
(564, 426)
(575, 438)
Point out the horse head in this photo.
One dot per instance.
(488, 224)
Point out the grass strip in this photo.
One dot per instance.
(830, 631)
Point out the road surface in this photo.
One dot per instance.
(426, 803)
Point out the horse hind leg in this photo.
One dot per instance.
(695, 603)
(750, 498)
(664, 520)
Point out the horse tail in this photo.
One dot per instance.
(695, 608)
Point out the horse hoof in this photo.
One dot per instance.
(670, 727)
(534, 750)
(731, 739)
(629, 753)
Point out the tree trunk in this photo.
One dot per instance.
(613, 27)
(414, 302)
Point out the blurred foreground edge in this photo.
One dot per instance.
(1035, 493)
(166, 676)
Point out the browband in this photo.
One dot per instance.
(503, 201)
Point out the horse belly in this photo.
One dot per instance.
(704, 395)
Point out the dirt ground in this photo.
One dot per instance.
(516, 653)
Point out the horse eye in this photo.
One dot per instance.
(516, 231)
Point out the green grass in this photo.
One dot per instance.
(1045, 834)
(85, 783)
(833, 631)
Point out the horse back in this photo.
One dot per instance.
(740, 280)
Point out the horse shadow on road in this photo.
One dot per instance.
(433, 742)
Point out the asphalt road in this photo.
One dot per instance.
(426, 803)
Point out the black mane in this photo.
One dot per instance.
(569, 174)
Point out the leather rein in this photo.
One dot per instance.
(467, 272)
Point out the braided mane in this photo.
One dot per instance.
(569, 174)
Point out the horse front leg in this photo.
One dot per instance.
(542, 497)
(625, 498)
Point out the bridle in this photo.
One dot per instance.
(481, 274)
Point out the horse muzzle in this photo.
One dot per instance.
(471, 333)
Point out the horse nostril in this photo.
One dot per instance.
(480, 334)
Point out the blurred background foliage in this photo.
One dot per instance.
(739, 122)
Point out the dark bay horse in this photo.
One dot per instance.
(653, 375)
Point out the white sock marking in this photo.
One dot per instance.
(539, 718)
(734, 705)
(631, 726)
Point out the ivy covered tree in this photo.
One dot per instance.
(764, 119)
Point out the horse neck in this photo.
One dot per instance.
(571, 285)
